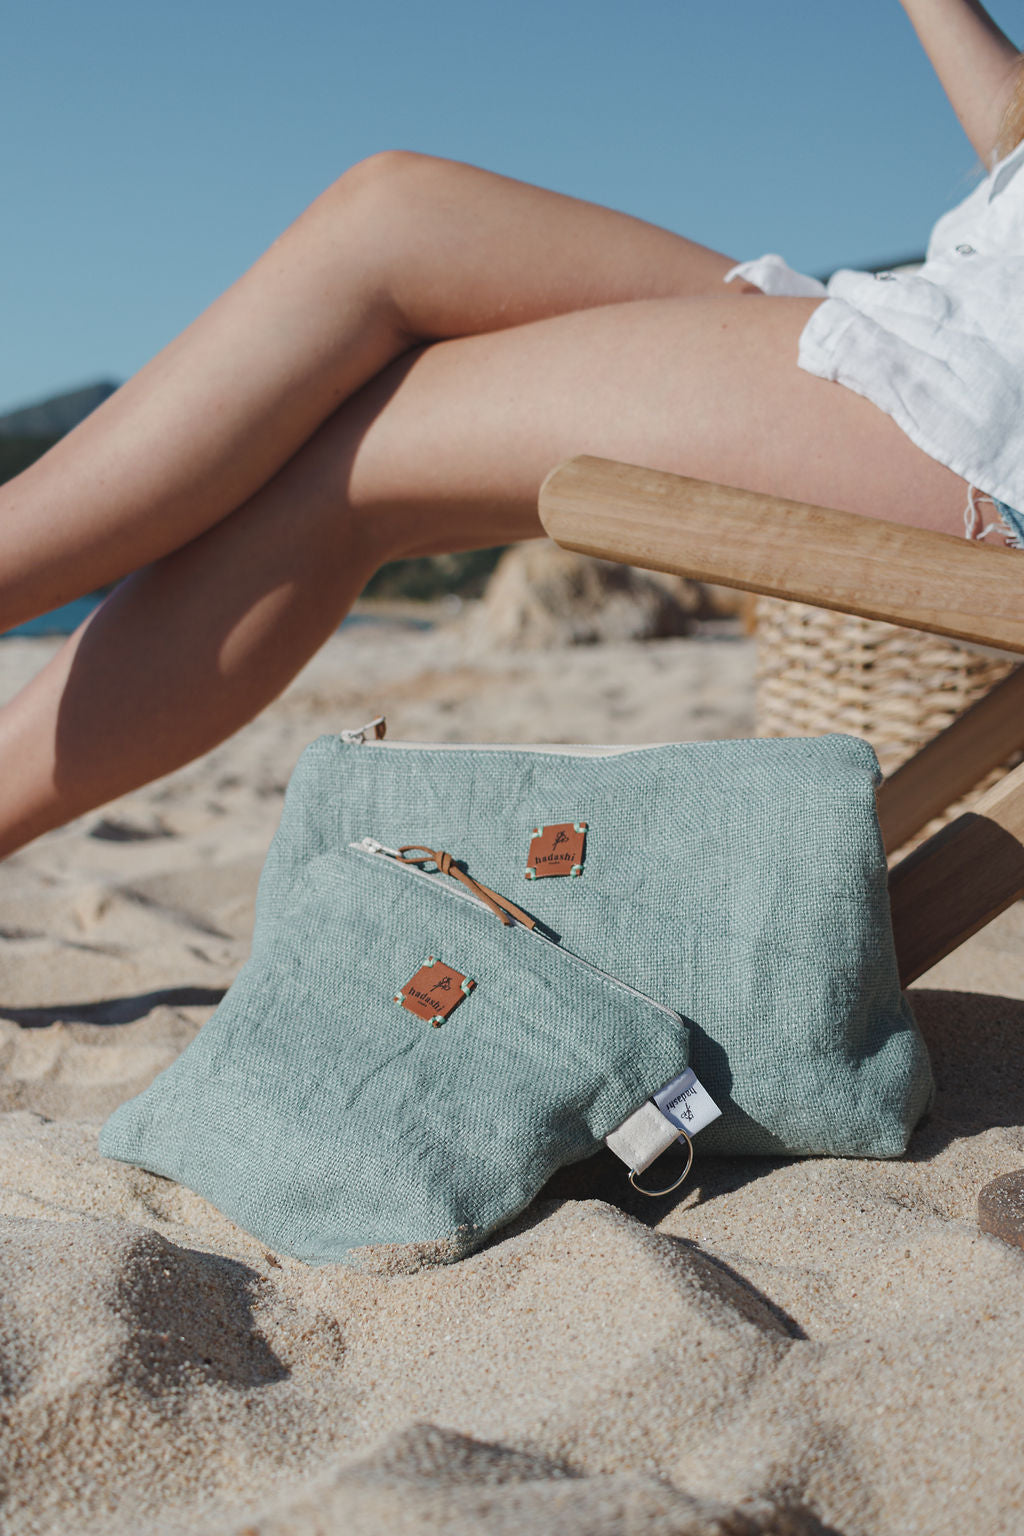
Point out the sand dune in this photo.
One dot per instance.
(791, 1347)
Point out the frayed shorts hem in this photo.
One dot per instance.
(975, 527)
(1012, 521)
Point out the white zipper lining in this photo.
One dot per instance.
(556, 748)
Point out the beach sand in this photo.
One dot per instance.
(788, 1346)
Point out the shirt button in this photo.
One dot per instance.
(966, 250)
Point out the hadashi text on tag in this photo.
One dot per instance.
(556, 850)
(435, 991)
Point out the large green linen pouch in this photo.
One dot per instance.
(721, 905)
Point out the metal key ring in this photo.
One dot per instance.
(657, 1193)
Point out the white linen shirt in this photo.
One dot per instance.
(940, 349)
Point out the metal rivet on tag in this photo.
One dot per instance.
(556, 850)
(435, 991)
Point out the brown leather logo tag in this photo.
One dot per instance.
(556, 850)
(434, 991)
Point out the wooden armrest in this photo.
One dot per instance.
(716, 533)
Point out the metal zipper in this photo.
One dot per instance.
(372, 848)
(551, 748)
(373, 731)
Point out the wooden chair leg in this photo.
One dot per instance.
(960, 879)
(950, 765)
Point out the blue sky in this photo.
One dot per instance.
(152, 151)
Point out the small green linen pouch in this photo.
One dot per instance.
(721, 905)
(325, 1117)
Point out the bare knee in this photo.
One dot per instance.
(388, 185)
(398, 209)
(388, 170)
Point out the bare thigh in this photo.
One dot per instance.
(402, 249)
(447, 448)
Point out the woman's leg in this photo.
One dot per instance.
(402, 249)
(446, 449)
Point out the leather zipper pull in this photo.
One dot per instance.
(502, 908)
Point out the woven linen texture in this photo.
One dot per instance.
(741, 884)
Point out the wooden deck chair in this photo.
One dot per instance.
(963, 876)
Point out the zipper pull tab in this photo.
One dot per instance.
(374, 729)
(371, 845)
(416, 854)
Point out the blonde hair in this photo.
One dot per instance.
(1011, 129)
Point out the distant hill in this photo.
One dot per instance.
(25, 434)
(17, 453)
(53, 417)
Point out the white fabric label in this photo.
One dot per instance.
(687, 1103)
